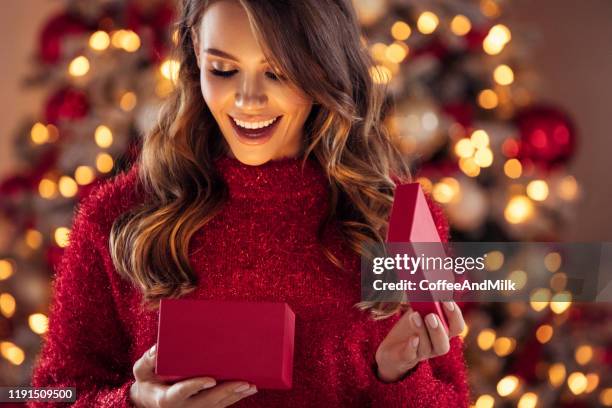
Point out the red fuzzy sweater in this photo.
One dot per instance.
(261, 247)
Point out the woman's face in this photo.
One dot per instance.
(260, 116)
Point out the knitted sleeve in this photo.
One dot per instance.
(85, 346)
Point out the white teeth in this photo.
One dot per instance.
(254, 125)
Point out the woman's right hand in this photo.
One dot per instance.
(149, 391)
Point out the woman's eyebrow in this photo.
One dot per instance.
(223, 54)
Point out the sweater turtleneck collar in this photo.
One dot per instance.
(275, 179)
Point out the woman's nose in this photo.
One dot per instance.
(250, 95)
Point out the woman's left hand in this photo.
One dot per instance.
(411, 341)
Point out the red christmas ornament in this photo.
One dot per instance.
(53, 34)
(67, 103)
(548, 136)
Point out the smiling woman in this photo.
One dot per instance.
(260, 114)
(268, 170)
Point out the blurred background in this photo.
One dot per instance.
(501, 105)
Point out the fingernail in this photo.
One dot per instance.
(153, 350)
(416, 318)
(251, 391)
(207, 384)
(450, 305)
(241, 387)
(432, 321)
(415, 342)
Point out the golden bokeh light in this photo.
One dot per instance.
(528, 400)
(544, 333)
(583, 354)
(128, 101)
(79, 66)
(104, 162)
(518, 210)
(7, 305)
(67, 186)
(103, 136)
(486, 339)
(99, 41)
(47, 188)
(400, 31)
(513, 168)
(427, 22)
(38, 323)
(460, 25)
(507, 385)
(12, 353)
(503, 75)
(61, 236)
(39, 133)
(84, 175)
(488, 99)
(537, 190)
(577, 383)
(33, 238)
(6, 269)
(552, 261)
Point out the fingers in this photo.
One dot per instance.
(454, 317)
(225, 394)
(425, 347)
(144, 368)
(180, 391)
(439, 339)
(232, 399)
(409, 354)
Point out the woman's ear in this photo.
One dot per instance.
(196, 44)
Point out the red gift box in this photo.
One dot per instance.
(411, 221)
(226, 340)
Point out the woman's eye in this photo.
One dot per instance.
(224, 74)
(273, 76)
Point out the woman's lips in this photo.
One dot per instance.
(254, 136)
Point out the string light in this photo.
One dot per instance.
(503, 75)
(6, 269)
(577, 383)
(12, 353)
(583, 354)
(38, 323)
(480, 139)
(528, 400)
(544, 333)
(486, 339)
(460, 25)
(507, 385)
(99, 40)
(7, 305)
(560, 302)
(396, 52)
(497, 38)
(67, 186)
(79, 66)
(568, 188)
(513, 168)
(128, 101)
(464, 148)
(33, 238)
(427, 22)
(483, 157)
(494, 260)
(47, 188)
(39, 133)
(469, 167)
(84, 175)
(539, 299)
(485, 401)
(552, 261)
(488, 99)
(61, 236)
(537, 190)
(104, 162)
(400, 31)
(592, 382)
(518, 210)
(556, 374)
(103, 136)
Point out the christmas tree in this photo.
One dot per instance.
(463, 112)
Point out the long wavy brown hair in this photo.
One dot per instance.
(345, 132)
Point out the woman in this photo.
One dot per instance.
(267, 170)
